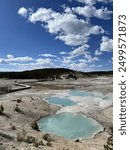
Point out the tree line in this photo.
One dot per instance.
(49, 73)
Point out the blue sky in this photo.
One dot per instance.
(74, 34)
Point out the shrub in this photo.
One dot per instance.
(109, 145)
(22, 136)
(41, 143)
(19, 100)
(34, 125)
(30, 139)
(49, 144)
(19, 137)
(13, 127)
(35, 143)
(47, 137)
(1, 109)
(17, 108)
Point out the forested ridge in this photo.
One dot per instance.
(50, 73)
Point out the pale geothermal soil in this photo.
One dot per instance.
(33, 107)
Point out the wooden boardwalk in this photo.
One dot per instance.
(18, 87)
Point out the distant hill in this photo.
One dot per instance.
(51, 73)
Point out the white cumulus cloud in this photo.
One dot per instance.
(73, 27)
(90, 59)
(22, 11)
(66, 26)
(9, 56)
(42, 14)
(92, 2)
(97, 52)
(10, 59)
(91, 11)
(44, 62)
(47, 55)
(78, 51)
(63, 53)
(106, 44)
(73, 40)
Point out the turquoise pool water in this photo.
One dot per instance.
(65, 101)
(69, 125)
(60, 101)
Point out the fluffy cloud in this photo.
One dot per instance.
(78, 51)
(11, 58)
(92, 2)
(36, 64)
(91, 11)
(22, 11)
(69, 24)
(90, 59)
(73, 30)
(88, 2)
(20, 59)
(106, 44)
(68, 61)
(44, 62)
(66, 26)
(42, 14)
(73, 40)
(97, 52)
(79, 66)
(47, 55)
(63, 53)
(97, 30)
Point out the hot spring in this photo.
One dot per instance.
(70, 125)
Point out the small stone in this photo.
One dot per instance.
(13, 146)
(77, 140)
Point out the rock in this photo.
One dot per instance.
(77, 140)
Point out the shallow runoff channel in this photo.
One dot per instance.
(67, 122)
